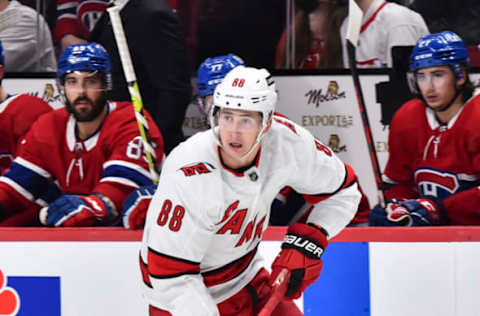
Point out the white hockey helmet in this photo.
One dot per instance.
(246, 88)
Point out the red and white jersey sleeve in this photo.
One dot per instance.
(206, 220)
(125, 165)
(17, 114)
(384, 25)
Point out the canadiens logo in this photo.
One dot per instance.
(90, 12)
(334, 144)
(316, 96)
(436, 183)
(197, 168)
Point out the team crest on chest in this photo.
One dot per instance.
(234, 223)
(436, 183)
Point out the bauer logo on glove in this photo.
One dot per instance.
(307, 247)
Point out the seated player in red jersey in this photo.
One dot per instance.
(82, 160)
(433, 170)
(17, 114)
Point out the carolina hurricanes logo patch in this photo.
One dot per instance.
(197, 168)
(436, 183)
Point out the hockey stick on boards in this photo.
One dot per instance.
(278, 293)
(355, 15)
(129, 72)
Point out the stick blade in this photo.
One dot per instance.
(354, 23)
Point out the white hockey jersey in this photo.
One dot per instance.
(205, 221)
(384, 25)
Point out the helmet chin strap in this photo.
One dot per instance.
(257, 142)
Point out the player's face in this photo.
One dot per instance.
(238, 133)
(86, 95)
(437, 85)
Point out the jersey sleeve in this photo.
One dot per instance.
(325, 181)
(18, 113)
(126, 167)
(177, 234)
(463, 208)
(398, 173)
(28, 181)
(27, 109)
(67, 22)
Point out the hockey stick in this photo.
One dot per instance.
(129, 72)
(355, 15)
(278, 293)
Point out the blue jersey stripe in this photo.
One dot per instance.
(127, 173)
(31, 181)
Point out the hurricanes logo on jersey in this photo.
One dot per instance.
(197, 168)
(436, 183)
(234, 224)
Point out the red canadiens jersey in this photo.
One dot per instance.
(17, 114)
(78, 17)
(429, 159)
(205, 220)
(52, 161)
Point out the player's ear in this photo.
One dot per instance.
(461, 81)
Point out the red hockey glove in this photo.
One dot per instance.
(136, 205)
(75, 211)
(301, 253)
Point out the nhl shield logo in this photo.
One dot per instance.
(253, 176)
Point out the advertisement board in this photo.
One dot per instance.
(366, 272)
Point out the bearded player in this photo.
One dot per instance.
(82, 160)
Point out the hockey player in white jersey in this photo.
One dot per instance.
(385, 24)
(199, 250)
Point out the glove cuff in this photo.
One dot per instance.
(435, 209)
(102, 207)
(309, 239)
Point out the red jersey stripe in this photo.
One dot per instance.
(162, 266)
(229, 271)
(374, 15)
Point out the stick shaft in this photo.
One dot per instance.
(278, 293)
(353, 32)
(133, 89)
